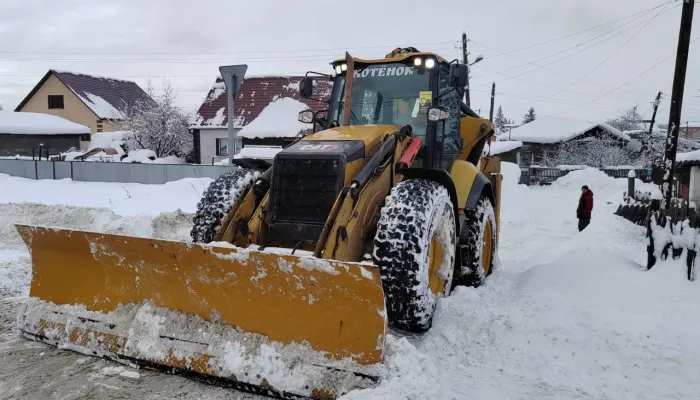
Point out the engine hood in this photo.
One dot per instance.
(371, 135)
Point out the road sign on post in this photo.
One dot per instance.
(233, 77)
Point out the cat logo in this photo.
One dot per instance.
(319, 147)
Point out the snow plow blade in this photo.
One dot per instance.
(280, 325)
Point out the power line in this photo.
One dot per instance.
(390, 47)
(538, 66)
(155, 60)
(612, 54)
(583, 31)
(624, 84)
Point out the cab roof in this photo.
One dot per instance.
(397, 55)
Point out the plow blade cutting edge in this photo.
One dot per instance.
(275, 324)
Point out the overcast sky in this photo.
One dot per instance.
(592, 74)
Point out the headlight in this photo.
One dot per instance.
(338, 70)
(344, 67)
(430, 63)
(417, 61)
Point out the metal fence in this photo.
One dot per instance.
(108, 171)
(547, 175)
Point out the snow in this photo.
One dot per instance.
(141, 156)
(219, 118)
(553, 129)
(500, 147)
(131, 375)
(109, 139)
(690, 156)
(631, 174)
(29, 123)
(278, 119)
(126, 199)
(565, 167)
(567, 315)
(101, 107)
(217, 90)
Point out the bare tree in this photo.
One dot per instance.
(593, 152)
(628, 120)
(158, 124)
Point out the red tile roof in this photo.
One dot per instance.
(255, 94)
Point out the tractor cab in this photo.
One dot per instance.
(407, 87)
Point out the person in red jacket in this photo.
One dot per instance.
(585, 207)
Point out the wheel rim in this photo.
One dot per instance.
(486, 249)
(436, 255)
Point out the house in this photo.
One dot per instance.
(688, 130)
(26, 134)
(96, 102)
(210, 124)
(507, 150)
(542, 136)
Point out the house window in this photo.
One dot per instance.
(221, 147)
(55, 101)
(525, 158)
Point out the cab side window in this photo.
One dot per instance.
(449, 100)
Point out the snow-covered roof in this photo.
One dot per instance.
(552, 129)
(501, 147)
(256, 93)
(108, 98)
(688, 157)
(279, 119)
(37, 124)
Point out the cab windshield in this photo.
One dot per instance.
(385, 94)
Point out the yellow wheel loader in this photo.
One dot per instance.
(297, 269)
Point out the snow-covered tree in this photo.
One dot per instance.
(500, 121)
(158, 124)
(628, 120)
(530, 116)
(593, 152)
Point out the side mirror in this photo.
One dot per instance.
(306, 116)
(437, 114)
(458, 74)
(306, 88)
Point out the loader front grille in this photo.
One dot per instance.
(303, 192)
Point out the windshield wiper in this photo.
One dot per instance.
(353, 117)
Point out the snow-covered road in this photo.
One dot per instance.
(567, 316)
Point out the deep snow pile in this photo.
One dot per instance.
(125, 199)
(15, 265)
(566, 315)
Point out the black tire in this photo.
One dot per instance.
(217, 200)
(416, 213)
(471, 247)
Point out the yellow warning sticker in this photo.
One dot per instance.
(426, 97)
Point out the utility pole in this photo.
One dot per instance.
(493, 96)
(674, 119)
(465, 59)
(646, 144)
